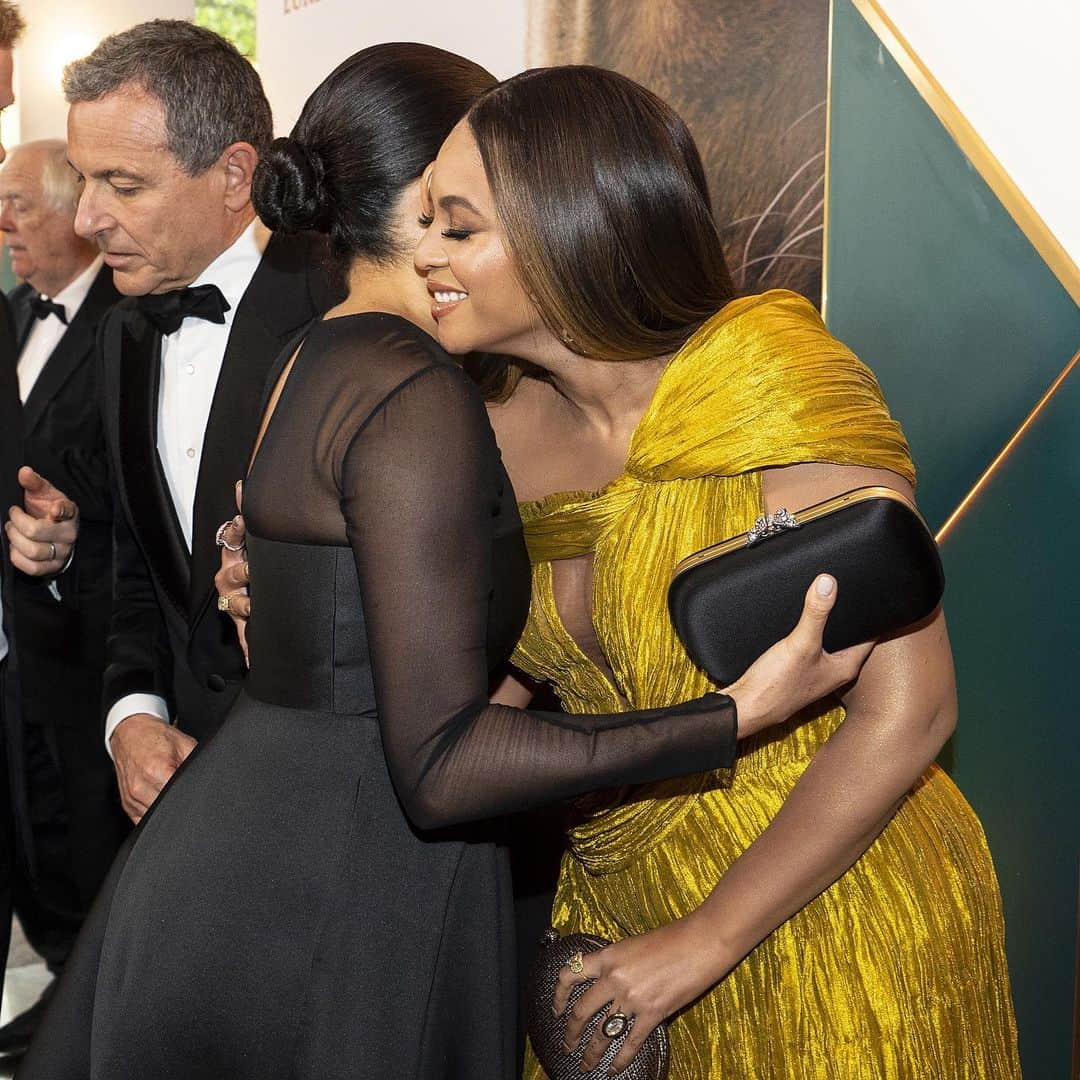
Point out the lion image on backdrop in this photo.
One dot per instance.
(749, 78)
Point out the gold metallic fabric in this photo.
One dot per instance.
(896, 971)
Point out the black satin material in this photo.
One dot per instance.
(168, 310)
(41, 307)
(729, 610)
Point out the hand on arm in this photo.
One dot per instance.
(900, 711)
(233, 577)
(42, 536)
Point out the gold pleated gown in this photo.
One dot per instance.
(896, 971)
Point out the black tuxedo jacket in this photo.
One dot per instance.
(65, 442)
(167, 636)
(62, 643)
(12, 791)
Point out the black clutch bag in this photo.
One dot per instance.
(546, 1029)
(732, 601)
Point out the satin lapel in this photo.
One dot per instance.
(147, 491)
(74, 348)
(21, 314)
(274, 307)
(11, 421)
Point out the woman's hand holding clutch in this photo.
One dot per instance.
(646, 979)
(796, 671)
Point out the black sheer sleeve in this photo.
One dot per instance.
(419, 482)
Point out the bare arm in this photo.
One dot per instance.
(512, 691)
(900, 711)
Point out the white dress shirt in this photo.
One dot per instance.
(45, 334)
(190, 365)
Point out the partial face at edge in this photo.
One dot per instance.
(43, 247)
(7, 92)
(477, 300)
(158, 227)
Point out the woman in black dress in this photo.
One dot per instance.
(305, 899)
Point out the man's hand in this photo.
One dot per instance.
(147, 751)
(42, 535)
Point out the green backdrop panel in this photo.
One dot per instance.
(928, 278)
(932, 283)
(1014, 605)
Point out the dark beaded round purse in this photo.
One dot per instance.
(546, 1030)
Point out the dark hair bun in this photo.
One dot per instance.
(289, 189)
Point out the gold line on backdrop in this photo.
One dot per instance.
(989, 471)
(828, 157)
(970, 142)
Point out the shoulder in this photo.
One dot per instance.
(20, 294)
(373, 358)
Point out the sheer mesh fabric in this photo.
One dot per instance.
(395, 457)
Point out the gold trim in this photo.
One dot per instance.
(828, 158)
(970, 142)
(1004, 452)
(804, 517)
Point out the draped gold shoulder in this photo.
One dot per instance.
(763, 383)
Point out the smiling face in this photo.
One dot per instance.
(478, 301)
(158, 226)
(38, 234)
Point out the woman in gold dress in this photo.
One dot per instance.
(832, 912)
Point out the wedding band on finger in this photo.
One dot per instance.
(615, 1025)
(221, 540)
(576, 963)
(52, 552)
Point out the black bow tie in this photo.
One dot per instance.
(42, 307)
(168, 310)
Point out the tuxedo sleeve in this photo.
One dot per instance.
(138, 657)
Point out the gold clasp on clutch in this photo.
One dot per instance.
(770, 524)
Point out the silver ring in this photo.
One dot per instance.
(220, 539)
(615, 1025)
(52, 548)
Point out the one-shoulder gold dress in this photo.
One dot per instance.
(896, 971)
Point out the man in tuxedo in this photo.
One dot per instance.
(165, 128)
(61, 622)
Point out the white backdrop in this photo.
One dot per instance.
(1011, 69)
(59, 31)
(301, 41)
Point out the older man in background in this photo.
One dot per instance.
(62, 623)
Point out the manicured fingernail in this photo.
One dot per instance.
(825, 585)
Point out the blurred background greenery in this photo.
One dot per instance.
(232, 19)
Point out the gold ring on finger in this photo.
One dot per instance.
(576, 963)
(223, 602)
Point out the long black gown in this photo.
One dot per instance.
(304, 899)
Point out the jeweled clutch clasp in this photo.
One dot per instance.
(770, 524)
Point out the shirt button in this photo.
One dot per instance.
(189, 368)
(191, 451)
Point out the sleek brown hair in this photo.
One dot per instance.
(601, 191)
(12, 24)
